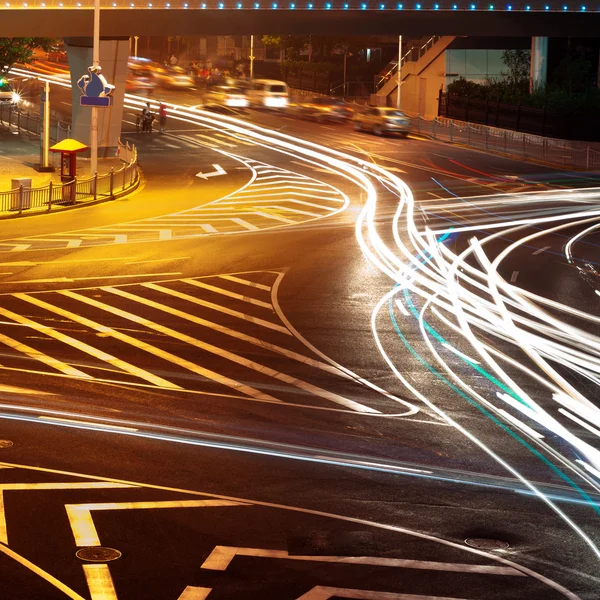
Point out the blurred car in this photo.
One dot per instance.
(8, 96)
(382, 120)
(268, 93)
(140, 78)
(226, 95)
(323, 109)
(173, 77)
(57, 54)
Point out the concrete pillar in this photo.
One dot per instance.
(539, 62)
(113, 60)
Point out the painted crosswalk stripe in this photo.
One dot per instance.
(225, 330)
(300, 212)
(276, 217)
(181, 362)
(74, 243)
(217, 307)
(245, 224)
(224, 292)
(99, 354)
(41, 357)
(20, 247)
(208, 227)
(235, 279)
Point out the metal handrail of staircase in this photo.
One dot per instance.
(408, 56)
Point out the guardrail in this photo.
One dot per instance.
(562, 153)
(22, 120)
(84, 189)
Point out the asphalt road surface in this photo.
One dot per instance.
(299, 378)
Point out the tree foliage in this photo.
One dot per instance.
(20, 50)
(518, 63)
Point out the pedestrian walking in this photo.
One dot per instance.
(173, 60)
(162, 117)
(147, 118)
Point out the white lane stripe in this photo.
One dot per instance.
(245, 224)
(195, 593)
(74, 243)
(120, 239)
(223, 206)
(249, 364)
(43, 358)
(259, 286)
(99, 354)
(276, 217)
(322, 592)
(208, 227)
(224, 292)
(294, 196)
(96, 424)
(165, 234)
(20, 247)
(220, 558)
(181, 362)
(99, 582)
(301, 212)
(217, 307)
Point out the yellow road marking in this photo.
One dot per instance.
(195, 593)
(181, 362)
(259, 286)
(217, 307)
(218, 290)
(40, 356)
(41, 573)
(116, 362)
(82, 523)
(100, 582)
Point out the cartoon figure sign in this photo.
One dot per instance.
(95, 91)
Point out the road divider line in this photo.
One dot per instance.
(97, 425)
(181, 362)
(207, 227)
(41, 357)
(224, 292)
(260, 286)
(245, 224)
(74, 243)
(99, 354)
(228, 311)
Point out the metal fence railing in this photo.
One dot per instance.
(563, 153)
(24, 120)
(83, 189)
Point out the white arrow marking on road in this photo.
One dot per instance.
(84, 530)
(221, 556)
(324, 593)
(219, 170)
(195, 593)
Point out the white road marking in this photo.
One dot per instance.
(84, 530)
(120, 239)
(325, 593)
(165, 234)
(220, 558)
(540, 250)
(218, 170)
(235, 279)
(99, 582)
(245, 224)
(208, 227)
(74, 243)
(96, 424)
(225, 292)
(195, 593)
(275, 217)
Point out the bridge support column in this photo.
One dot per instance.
(539, 62)
(113, 59)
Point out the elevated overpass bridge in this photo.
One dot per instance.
(124, 18)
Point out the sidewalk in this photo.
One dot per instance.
(18, 155)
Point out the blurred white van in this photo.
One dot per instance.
(268, 93)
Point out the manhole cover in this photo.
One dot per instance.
(5, 443)
(486, 544)
(98, 554)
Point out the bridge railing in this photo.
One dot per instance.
(562, 153)
(82, 189)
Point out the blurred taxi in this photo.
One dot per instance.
(173, 77)
(382, 120)
(226, 95)
(324, 109)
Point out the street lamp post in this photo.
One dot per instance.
(94, 122)
(135, 39)
(399, 72)
(251, 57)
